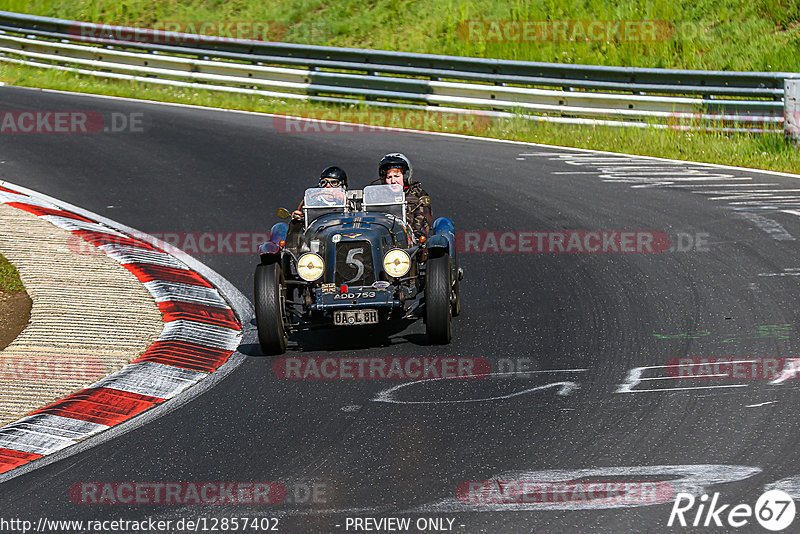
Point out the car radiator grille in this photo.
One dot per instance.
(354, 264)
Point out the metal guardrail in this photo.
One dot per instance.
(685, 99)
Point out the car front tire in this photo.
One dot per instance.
(438, 308)
(269, 309)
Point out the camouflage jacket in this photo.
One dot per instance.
(419, 217)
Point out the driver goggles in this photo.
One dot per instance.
(330, 182)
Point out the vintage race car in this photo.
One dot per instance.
(354, 261)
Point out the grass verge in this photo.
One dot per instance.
(750, 35)
(9, 277)
(15, 304)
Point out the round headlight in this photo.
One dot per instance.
(396, 263)
(310, 267)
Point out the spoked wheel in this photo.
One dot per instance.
(438, 307)
(270, 313)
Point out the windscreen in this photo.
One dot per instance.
(386, 198)
(319, 201)
(325, 197)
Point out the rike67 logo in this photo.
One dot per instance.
(774, 510)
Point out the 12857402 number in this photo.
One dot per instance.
(232, 524)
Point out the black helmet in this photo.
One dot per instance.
(395, 161)
(334, 173)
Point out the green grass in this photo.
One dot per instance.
(9, 277)
(764, 151)
(751, 35)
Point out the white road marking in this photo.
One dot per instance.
(747, 193)
(774, 229)
(579, 159)
(647, 165)
(790, 371)
(760, 404)
(542, 154)
(777, 201)
(693, 479)
(790, 485)
(641, 183)
(723, 185)
(647, 172)
(540, 371)
(666, 173)
(635, 378)
(791, 271)
(564, 388)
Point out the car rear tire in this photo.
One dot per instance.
(269, 309)
(438, 308)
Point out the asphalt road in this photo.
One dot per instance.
(598, 329)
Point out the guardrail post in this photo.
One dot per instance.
(791, 110)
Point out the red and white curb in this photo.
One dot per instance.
(200, 334)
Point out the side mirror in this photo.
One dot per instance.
(425, 201)
(283, 213)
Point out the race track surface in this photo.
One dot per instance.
(601, 331)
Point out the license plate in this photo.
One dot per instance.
(355, 317)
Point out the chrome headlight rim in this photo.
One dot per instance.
(308, 273)
(390, 263)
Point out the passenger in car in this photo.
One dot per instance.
(396, 169)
